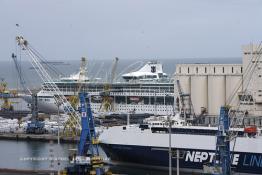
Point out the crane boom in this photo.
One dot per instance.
(50, 85)
(113, 70)
(186, 111)
(19, 72)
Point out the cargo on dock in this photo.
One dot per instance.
(14, 114)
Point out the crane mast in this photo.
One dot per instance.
(74, 100)
(72, 123)
(82, 74)
(186, 110)
(107, 102)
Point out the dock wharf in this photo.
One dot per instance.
(5, 171)
(34, 137)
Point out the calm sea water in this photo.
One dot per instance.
(33, 155)
(96, 68)
(38, 155)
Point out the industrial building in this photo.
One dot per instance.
(214, 85)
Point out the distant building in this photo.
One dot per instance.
(214, 85)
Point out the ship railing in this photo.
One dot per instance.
(124, 91)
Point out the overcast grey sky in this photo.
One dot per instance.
(139, 29)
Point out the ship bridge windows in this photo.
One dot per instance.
(168, 100)
(120, 100)
(150, 76)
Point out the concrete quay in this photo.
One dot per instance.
(35, 137)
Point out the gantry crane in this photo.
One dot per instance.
(234, 118)
(35, 126)
(88, 159)
(186, 111)
(221, 164)
(72, 125)
(107, 102)
(5, 95)
(74, 99)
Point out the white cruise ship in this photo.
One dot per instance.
(146, 91)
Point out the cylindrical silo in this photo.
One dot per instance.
(233, 86)
(199, 92)
(184, 83)
(216, 93)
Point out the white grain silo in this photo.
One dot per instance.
(183, 75)
(216, 93)
(185, 83)
(233, 86)
(199, 92)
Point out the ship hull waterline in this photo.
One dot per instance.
(191, 160)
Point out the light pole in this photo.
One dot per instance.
(58, 121)
(128, 119)
(169, 148)
(177, 161)
(169, 136)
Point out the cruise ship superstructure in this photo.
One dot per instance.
(146, 91)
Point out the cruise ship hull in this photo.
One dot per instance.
(136, 147)
(47, 104)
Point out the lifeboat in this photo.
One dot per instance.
(134, 99)
(250, 130)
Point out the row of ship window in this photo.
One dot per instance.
(146, 91)
(247, 121)
(44, 99)
(139, 109)
(157, 124)
(151, 110)
(146, 106)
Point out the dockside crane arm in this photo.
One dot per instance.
(232, 119)
(113, 70)
(20, 73)
(50, 85)
(238, 114)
